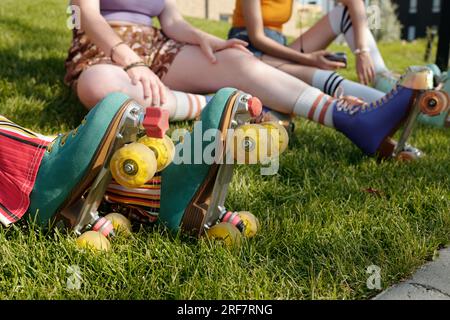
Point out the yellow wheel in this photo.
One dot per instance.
(93, 240)
(407, 156)
(252, 143)
(164, 150)
(225, 232)
(133, 165)
(120, 223)
(279, 133)
(251, 223)
(432, 103)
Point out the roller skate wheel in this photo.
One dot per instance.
(279, 133)
(121, 224)
(251, 223)
(253, 144)
(93, 240)
(432, 103)
(164, 150)
(407, 156)
(225, 232)
(133, 165)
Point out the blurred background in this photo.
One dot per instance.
(399, 18)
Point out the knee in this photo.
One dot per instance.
(240, 61)
(95, 83)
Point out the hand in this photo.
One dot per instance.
(210, 44)
(154, 90)
(365, 68)
(318, 60)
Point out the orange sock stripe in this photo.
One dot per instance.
(312, 111)
(324, 110)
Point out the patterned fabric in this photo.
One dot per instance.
(140, 205)
(155, 49)
(21, 153)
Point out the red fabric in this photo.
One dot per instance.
(20, 158)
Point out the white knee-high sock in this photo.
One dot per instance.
(329, 82)
(316, 106)
(341, 23)
(188, 105)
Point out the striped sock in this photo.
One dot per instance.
(329, 82)
(188, 105)
(138, 204)
(316, 106)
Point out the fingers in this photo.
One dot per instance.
(208, 51)
(243, 49)
(156, 100)
(146, 88)
(154, 91)
(333, 65)
(233, 42)
(163, 93)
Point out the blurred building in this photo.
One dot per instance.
(222, 10)
(417, 15)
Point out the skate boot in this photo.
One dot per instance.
(386, 81)
(194, 190)
(371, 126)
(78, 166)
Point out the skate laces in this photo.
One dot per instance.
(347, 104)
(65, 136)
(352, 105)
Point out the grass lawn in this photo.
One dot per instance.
(319, 232)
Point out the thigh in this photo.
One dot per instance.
(301, 72)
(192, 72)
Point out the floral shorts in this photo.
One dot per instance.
(150, 43)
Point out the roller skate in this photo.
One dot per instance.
(372, 126)
(193, 193)
(278, 121)
(442, 82)
(79, 165)
(385, 81)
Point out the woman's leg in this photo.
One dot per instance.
(326, 81)
(367, 127)
(337, 22)
(92, 87)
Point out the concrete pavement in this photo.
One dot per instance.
(430, 282)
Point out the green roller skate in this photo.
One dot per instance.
(194, 190)
(78, 166)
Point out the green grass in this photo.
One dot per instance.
(319, 232)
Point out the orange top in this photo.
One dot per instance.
(275, 13)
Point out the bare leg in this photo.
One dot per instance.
(337, 22)
(318, 37)
(234, 68)
(99, 80)
(326, 81)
